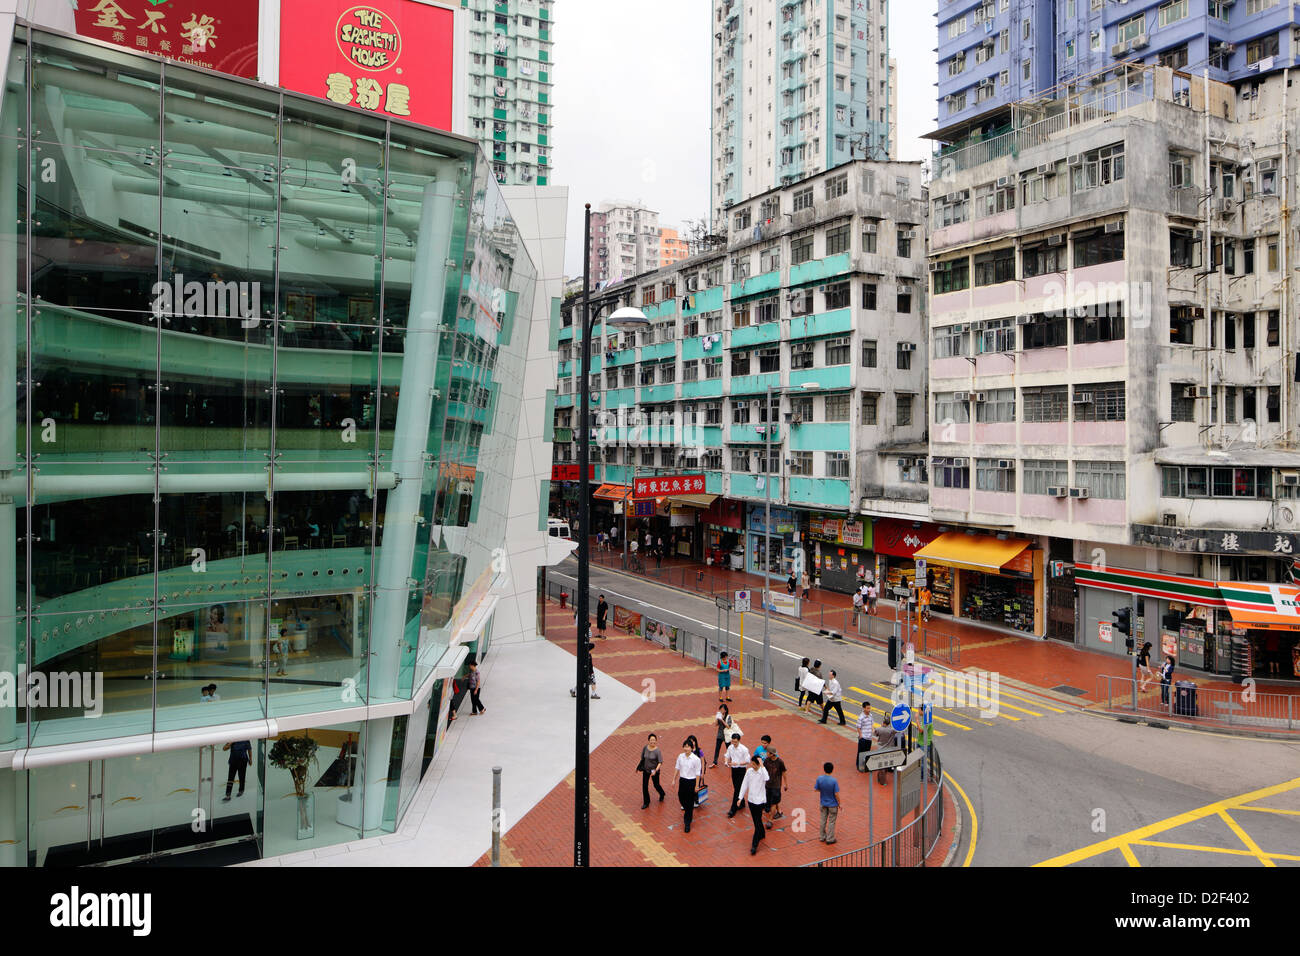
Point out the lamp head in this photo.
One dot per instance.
(627, 317)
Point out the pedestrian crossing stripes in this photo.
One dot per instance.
(980, 708)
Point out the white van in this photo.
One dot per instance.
(558, 528)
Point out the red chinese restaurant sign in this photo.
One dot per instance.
(662, 485)
(215, 34)
(392, 57)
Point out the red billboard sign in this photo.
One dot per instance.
(661, 485)
(215, 34)
(900, 538)
(570, 472)
(391, 57)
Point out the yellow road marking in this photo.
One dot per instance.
(1128, 855)
(1153, 829)
(1244, 837)
(1211, 849)
(887, 700)
(971, 692)
(1295, 813)
(974, 820)
(1027, 700)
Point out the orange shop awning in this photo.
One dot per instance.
(973, 552)
(1273, 607)
(612, 492)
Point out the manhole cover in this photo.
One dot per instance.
(1067, 689)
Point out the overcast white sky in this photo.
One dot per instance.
(632, 102)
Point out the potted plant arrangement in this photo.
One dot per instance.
(297, 755)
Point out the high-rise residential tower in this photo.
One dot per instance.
(993, 53)
(799, 87)
(509, 88)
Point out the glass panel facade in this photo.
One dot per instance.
(260, 374)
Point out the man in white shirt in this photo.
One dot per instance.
(753, 790)
(834, 696)
(687, 776)
(737, 758)
(865, 728)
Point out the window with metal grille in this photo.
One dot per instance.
(801, 355)
(1107, 405)
(1047, 404)
(1181, 407)
(837, 408)
(870, 408)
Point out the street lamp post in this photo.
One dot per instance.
(625, 317)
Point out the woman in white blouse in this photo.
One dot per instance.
(687, 777)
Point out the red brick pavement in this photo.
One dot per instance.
(622, 834)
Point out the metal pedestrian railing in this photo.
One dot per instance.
(674, 632)
(1238, 708)
(910, 845)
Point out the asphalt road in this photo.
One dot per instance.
(1043, 779)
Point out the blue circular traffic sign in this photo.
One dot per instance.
(901, 717)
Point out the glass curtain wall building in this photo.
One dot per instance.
(260, 375)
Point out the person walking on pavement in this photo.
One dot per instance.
(602, 617)
(798, 684)
(804, 584)
(1144, 665)
(652, 759)
(686, 776)
(753, 791)
(737, 760)
(723, 721)
(591, 673)
(699, 752)
(241, 755)
(775, 768)
(829, 789)
(724, 677)
(816, 671)
(857, 607)
(872, 596)
(474, 680)
(924, 598)
(865, 728)
(790, 584)
(834, 698)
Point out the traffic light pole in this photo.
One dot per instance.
(1132, 627)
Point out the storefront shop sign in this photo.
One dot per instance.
(570, 473)
(899, 538)
(392, 57)
(217, 35)
(1218, 541)
(783, 520)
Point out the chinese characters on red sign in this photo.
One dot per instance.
(668, 485)
(214, 34)
(392, 57)
(570, 472)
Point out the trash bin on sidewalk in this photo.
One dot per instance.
(1185, 698)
